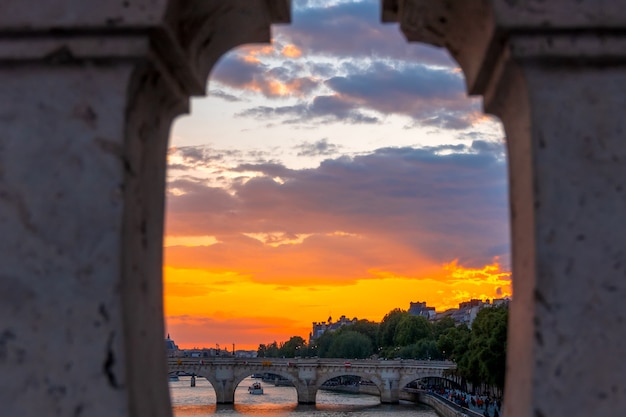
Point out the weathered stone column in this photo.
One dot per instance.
(307, 384)
(225, 384)
(306, 393)
(390, 390)
(555, 73)
(87, 95)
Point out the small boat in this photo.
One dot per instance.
(173, 378)
(255, 389)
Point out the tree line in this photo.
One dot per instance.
(479, 352)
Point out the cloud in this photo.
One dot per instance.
(389, 210)
(291, 51)
(353, 29)
(321, 109)
(224, 96)
(339, 64)
(239, 71)
(319, 148)
(430, 96)
(196, 157)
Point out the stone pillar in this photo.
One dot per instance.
(88, 93)
(306, 385)
(225, 384)
(306, 393)
(224, 391)
(390, 389)
(390, 392)
(555, 73)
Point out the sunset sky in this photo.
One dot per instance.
(338, 171)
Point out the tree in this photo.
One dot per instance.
(441, 326)
(323, 344)
(292, 347)
(489, 333)
(268, 351)
(412, 329)
(387, 328)
(484, 359)
(453, 342)
(351, 344)
(365, 327)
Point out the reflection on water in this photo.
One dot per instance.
(282, 402)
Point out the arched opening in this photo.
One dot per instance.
(348, 390)
(256, 245)
(192, 395)
(210, 227)
(275, 393)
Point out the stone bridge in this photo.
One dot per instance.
(308, 375)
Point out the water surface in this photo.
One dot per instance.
(282, 402)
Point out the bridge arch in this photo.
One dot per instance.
(451, 382)
(243, 374)
(378, 382)
(215, 383)
(407, 379)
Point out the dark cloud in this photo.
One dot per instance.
(321, 108)
(323, 70)
(422, 202)
(400, 80)
(198, 156)
(447, 120)
(224, 96)
(432, 97)
(237, 70)
(371, 70)
(319, 148)
(268, 169)
(195, 154)
(495, 148)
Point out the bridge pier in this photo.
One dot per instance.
(306, 393)
(224, 392)
(225, 385)
(390, 392)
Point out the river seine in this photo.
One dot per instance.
(199, 401)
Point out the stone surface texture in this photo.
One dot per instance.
(87, 97)
(555, 74)
(88, 92)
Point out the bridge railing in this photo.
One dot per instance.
(407, 363)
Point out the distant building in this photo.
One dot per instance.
(171, 348)
(204, 352)
(497, 302)
(421, 309)
(467, 311)
(246, 353)
(322, 327)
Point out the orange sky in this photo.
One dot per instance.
(206, 306)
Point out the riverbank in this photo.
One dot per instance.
(442, 406)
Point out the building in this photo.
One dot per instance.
(319, 328)
(467, 311)
(421, 309)
(171, 348)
